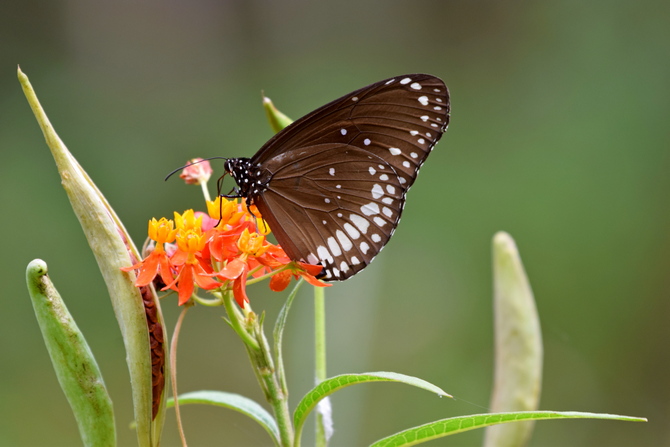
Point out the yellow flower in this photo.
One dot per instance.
(162, 231)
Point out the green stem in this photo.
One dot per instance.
(266, 276)
(320, 355)
(234, 319)
(267, 376)
(249, 327)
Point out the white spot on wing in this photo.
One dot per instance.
(423, 100)
(370, 209)
(343, 131)
(404, 163)
(375, 238)
(416, 86)
(390, 189)
(364, 247)
(377, 191)
(324, 254)
(372, 170)
(345, 242)
(405, 81)
(312, 259)
(367, 142)
(331, 171)
(423, 118)
(379, 221)
(383, 177)
(334, 246)
(344, 267)
(394, 151)
(361, 223)
(354, 260)
(387, 212)
(414, 155)
(351, 231)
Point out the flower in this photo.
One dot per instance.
(157, 262)
(282, 279)
(190, 266)
(221, 249)
(196, 172)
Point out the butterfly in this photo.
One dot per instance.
(332, 184)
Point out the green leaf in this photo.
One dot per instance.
(277, 119)
(336, 383)
(278, 335)
(235, 402)
(451, 426)
(518, 345)
(73, 361)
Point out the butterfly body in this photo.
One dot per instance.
(332, 184)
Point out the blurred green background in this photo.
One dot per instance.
(559, 136)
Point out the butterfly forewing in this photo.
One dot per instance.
(332, 185)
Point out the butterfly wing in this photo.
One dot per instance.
(335, 180)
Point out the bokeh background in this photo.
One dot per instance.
(559, 136)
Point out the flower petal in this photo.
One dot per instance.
(280, 280)
(239, 291)
(234, 269)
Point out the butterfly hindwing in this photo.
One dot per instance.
(339, 224)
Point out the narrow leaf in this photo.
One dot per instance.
(73, 361)
(329, 386)
(235, 402)
(278, 336)
(445, 427)
(518, 345)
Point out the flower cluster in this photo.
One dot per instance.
(218, 250)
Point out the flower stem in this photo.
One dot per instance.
(267, 376)
(320, 356)
(234, 319)
(249, 327)
(205, 191)
(173, 369)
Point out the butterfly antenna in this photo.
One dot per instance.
(193, 163)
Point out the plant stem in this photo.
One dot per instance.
(248, 327)
(320, 356)
(267, 376)
(173, 370)
(235, 317)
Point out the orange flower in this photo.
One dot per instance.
(222, 248)
(161, 231)
(189, 265)
(282, 279)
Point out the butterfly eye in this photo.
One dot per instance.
(332, 184)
